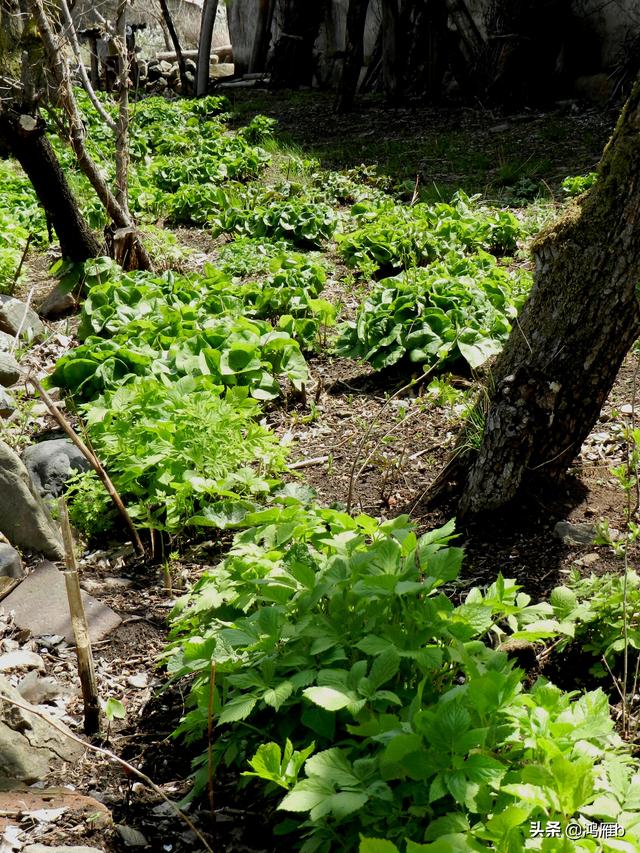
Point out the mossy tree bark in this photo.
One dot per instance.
(564, 353)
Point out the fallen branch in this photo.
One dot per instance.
(129, 768)
(93, 461)
(308, 463)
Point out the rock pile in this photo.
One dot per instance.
(158, 76)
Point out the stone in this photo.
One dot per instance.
(29, 744)
(20, 659)
(165, 68)
(9, 369)
(58, 301)
(10, 562)
(131, 837)
(37, 689)
(6, 342)
(138, 681)
(51, 463)
(153, 72)
(588, 559)
(24, 518)
(40, 606)
(574, 534)
(17, 316)
(190, 65)
(7, 404)
(597, 88)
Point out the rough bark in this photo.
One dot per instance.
(292, 62)
(579, 322)
(425, 48)
(263, 36)
(354, 54)
(207, 23)
(24, 137)
(390, 33)
(122, 125)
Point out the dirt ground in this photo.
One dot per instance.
(358, 441)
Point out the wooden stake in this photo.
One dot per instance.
(80, 628)
(94, 461)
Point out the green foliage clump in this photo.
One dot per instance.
(579, 184)
(172, 447)
(602, 610)
(459, 309)
(390, 237)
(339, 656)
(280, 213)
(20, 216)
(171, 326)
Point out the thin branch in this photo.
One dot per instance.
(60, 71)
(93, 461)
(75, 46)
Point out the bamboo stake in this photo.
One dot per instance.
(80, 628)
(94, 462)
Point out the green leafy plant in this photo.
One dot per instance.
(577, 185)
(459, 309)
(390, 238)
(336, 630)
(277, 214)
(170, 448)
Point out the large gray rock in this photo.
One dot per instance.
(29, 744)
(50, 464)
(9, 369)
(10, 562)
(17, 316)
(24, 518)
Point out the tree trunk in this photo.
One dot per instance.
(168, 20)
(390, 33)
(25, 139)
(425, 43)
(207, 23)
(58, 66)
(292, 63)
(263, 36)
(579, 322)
(353, 55)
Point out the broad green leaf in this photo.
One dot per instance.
(376, 845)
(328, 698)
(237, 709)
